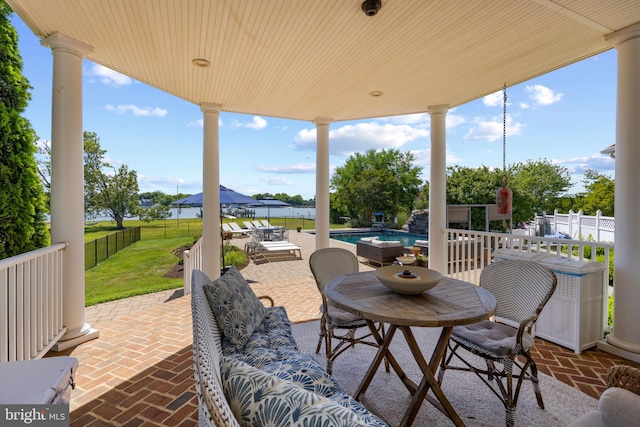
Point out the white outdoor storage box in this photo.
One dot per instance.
(504, 254)
(44, 381)
(573, 317)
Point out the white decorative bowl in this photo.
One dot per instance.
(406, 260)
(418, 279)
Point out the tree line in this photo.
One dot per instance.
(388, 181)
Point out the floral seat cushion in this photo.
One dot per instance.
(258, 398)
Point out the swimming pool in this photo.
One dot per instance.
(406, 239)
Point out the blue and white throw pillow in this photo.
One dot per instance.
(259, 399)
(236, 307)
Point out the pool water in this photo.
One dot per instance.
(406, 239)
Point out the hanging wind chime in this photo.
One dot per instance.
(503, 195)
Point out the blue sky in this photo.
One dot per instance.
(567, 116)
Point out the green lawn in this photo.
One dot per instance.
(139, 269)
(135, 270)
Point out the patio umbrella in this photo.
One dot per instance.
(227, 197)
(270, 202)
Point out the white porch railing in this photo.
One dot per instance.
(191, 260)
(468, 268)
(31, 303)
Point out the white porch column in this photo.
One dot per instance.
(67, 181)
(322, 182)
(438, 189)
(211, 238)
(625, 340)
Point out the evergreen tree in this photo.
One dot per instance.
(22, 221)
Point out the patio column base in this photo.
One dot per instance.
(76, 337)
(607, 346)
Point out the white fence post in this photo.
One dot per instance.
(598, 215)
(580, 214)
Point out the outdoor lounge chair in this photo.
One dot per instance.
(272, 251)
(257, 224)
(236, 228)
(227, 229)
(327, 264)
(521, 288)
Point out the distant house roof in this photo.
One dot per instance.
(610, 150)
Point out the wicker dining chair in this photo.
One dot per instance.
(337, 324)
(521, 288)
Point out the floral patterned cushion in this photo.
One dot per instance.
(349, 402)
(305, 371)
(236, 307)
(258, 398)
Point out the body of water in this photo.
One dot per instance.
(407, 239)
(186, 213)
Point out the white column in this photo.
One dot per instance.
(625, 340)
(67, 181)
(211, 237)
(438, 189)
(322, 182)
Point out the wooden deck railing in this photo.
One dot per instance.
(31, 303)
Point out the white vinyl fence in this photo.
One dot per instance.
(577, 225)
(31, 303)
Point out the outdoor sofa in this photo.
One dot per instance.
(247, 366)
(379, 251)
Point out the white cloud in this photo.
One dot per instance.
(349, 139)
(256, 124)
(492, 130)
(109, 77)
(494, 99)
(137, 111)
(299, 168)
(454, 120)
(279, 180)
(599, 162)
(524, 105)
(542, 95)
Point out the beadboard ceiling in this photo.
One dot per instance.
(302, 59)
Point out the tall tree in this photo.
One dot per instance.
(384, 181)
(114, 193)
(536, 186)
(22, 221)
(600, 193)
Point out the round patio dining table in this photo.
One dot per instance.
(451, 303)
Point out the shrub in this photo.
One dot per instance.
(235, 256)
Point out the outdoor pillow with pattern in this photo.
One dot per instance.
(236, 307)
(260, 399)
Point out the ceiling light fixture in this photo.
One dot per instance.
(376, 93)
(371, 7)
(200, 62)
